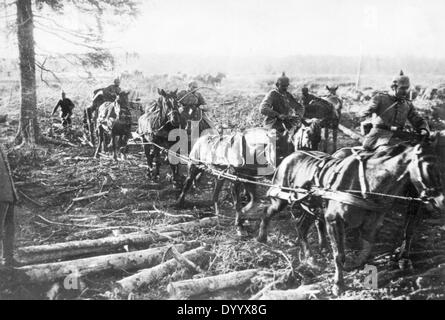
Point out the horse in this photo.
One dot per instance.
(155, 125)
(8, 198)
(337, 102)
(215, 80)
(114, 120)
(90, 113)
(246, 155)
(391, 171)
(329, 111)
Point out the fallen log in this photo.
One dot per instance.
(350, 133)
(189, 226)
(101, 233)
(96, 195)
(304, 292)
(194, 287)
(55, 141)
(151, 275)
(71, 249)
(120, 261)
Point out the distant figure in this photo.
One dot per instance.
(391, 112)
(66, 106)
(281, 109)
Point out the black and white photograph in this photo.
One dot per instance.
(223, 151)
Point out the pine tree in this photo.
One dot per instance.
(29, 131)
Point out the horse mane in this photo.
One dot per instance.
(392, 151)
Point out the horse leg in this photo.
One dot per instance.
(236, 188)
(326, 137)
(148, 157)
(321, 232)
(368, 232)
(302, 229)
(113, 138)
(276, 206)
(196, 180)
(217, 189)
(120, 145)
(101, 140)
(335, 228)
(156, 165)
(192, 172)
(253, 204)
(175, 172)
(334, 137)
(412, 220)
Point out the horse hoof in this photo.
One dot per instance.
(405, 264)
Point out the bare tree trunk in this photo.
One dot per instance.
(28, 128)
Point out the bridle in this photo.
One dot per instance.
(169, 113)
(414, 169)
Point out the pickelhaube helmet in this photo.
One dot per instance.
(283, 80)
(401, 80)
(193, 85)
(305, 90)
(117, 81)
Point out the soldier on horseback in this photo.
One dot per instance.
(281, 109)
(390, 112)
(101, 95)
(283, 114)
(193, 106)
(108, 93)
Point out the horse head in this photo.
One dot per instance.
(425, 174)
(332, 90)
(168, 107)
(121, 103)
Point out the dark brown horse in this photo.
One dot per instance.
(391, 171)
(155, 126)
(250, 154)
(328, 110)
(114, 120)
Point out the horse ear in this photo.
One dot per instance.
(159, 92)
(175, 92)
(336, 88)
(327, 87)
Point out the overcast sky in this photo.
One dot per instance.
(279, 28)
(285, 27)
